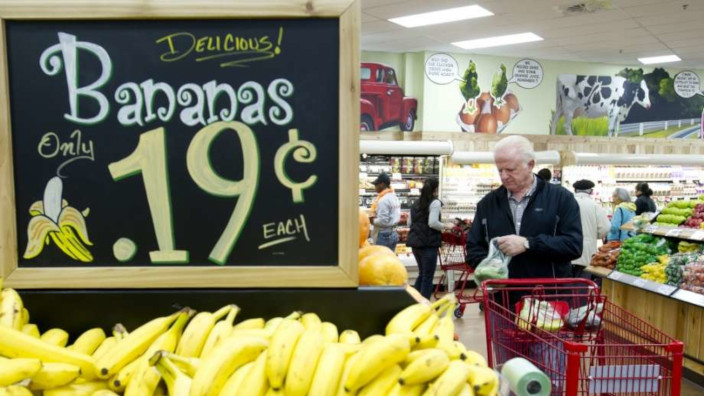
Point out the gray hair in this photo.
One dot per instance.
(622, 194)
(523, 147)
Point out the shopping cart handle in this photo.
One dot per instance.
(488, 284)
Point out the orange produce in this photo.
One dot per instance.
(363, 227)
(374, 249)
(382, 270)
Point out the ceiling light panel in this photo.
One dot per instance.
(442, 16)
(659, 59)
(498, 41)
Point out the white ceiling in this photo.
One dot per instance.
(630, 29)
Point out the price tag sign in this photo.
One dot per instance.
(689, 297)
(650, 229)
(666, 289)
(675, 232)
(396, 176)
(639, 282)
(615, 275)
(149, 160)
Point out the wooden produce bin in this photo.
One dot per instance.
(664, 308)
(159, 154)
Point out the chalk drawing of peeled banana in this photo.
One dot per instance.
(54, 220)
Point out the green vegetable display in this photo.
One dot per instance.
(671, 219)
(639, 251)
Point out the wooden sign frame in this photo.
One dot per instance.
(343, 275)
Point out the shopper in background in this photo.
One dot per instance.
(595, 225)
(538, 223)
(644, 203)
(624, 211)
(545, 174)
(386, 211)
(425, 235)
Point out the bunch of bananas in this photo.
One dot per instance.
(207, 354)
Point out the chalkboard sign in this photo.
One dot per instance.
(158, 146)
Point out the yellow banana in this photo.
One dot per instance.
(256, 383)
(77, 389)
(425, 368)
(330, 332)
(132, 346)
(372, 339)
(408, 319)
(119, 332)
(31, 329)
(119, 381)
(145, 379)
(427, 341)
(178, 383)
(89, 341)
(327, 374)
(350, 337)
(187, 365)
(383, 382)
(273, 392)
(57, 337)
(377, 357)
(234, 383)
(445, 329)
(454, 349)
(266, 333)
(475, 359)
(54, 375)
(303, 362)
(24, 317)
(483, 380)
(311, 321)
(466, 390)
(218, 367)
(450, 382)
(283, 343)
(427, 326)
(104, 347)
(15, 390)
(16, 370)
(406, 390)
(447, 299)
(104, 392)
(221, 330)
(351, 360)
(11, 309)
(254, 323)
(197, 332)
(14, 343)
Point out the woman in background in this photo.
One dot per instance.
(425, 235)
(644, 203)
(624, 211)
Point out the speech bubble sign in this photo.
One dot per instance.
(442, 69)
(527, 73)
(687, 84)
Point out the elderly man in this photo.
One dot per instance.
(538, 223)
(595, 225)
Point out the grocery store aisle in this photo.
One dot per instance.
(472, 334)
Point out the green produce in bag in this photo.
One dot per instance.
(494, 266)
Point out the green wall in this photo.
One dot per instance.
(439, 105)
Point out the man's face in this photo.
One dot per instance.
(380, 187)
(515, 174)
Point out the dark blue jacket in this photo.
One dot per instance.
(551, 223)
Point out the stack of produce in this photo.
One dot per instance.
(380, 266)
(674, 214)
(676, 265)
(689, 247)
(696, 219)
(209, 354)
(656, 271)
(693, 277)
(607, 255)
(638, 251)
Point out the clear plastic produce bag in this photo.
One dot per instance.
(494, 266)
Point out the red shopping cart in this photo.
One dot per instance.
(452, 262)
(607, 352)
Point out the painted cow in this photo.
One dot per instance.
(597, 96)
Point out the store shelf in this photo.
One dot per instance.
(659, 288)
(689, 234)
(598, 271)
(689, 297)
(617, 180)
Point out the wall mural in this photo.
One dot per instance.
(631, 103)
(383, 103)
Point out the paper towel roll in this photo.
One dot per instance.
(525, 379)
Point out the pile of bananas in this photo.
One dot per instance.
(207, 354)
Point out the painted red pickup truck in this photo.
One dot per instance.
(382, 103)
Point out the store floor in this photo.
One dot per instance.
(472, 334)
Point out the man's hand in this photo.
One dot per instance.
(512, 245)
